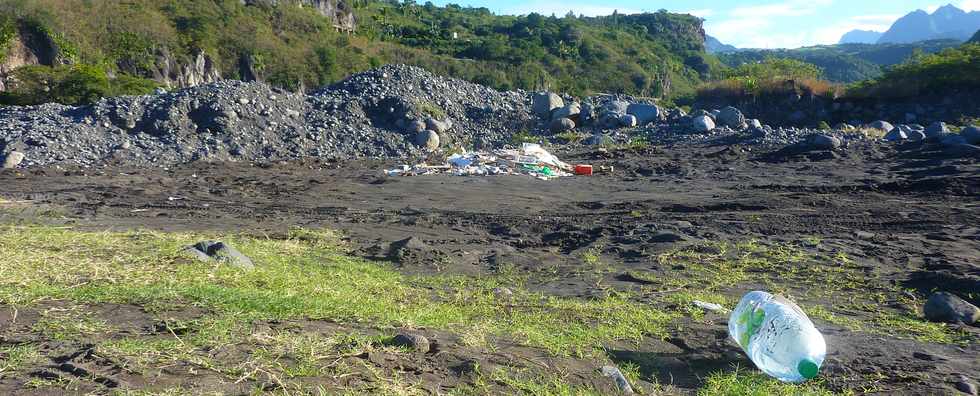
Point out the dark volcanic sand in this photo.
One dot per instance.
(910, 217)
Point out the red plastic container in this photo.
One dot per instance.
(583, 170)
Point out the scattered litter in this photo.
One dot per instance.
(583, 170)
(778, 337)
(616, 375)
(531, 159)
(710, 306)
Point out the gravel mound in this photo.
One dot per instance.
(368, 115)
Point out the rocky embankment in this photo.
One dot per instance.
(392, 112)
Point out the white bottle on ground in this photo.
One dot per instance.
(778, 337)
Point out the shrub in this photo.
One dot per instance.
(73, 85)
(951, 69)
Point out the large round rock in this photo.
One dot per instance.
(13, 159)
(882, 125)
(971, 134)
(945, 307)
(427, 139)
(545, 102)
(560, 125)
(823, 142)
(570, 111)
(702, 123)
(644, 113)
(731, 117)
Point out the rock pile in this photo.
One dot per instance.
(393, 111)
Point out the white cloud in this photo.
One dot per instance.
(970, 5)
(701, 13)
(931, 8)
(784, 9)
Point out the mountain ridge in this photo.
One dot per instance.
(946, 22)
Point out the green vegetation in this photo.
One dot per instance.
(772, 77)
(844, 63)
(147, 269)
(954, 69)
(15, 357)
(654, 54)
(789, 270)
(748, 383)
(74, 84)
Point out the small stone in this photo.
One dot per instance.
(946, 307)
(414, 341)
(219, 251)
(966, 386)
(13, 159)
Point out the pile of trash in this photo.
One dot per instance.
(531, 159)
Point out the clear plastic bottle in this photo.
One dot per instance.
(778, 337)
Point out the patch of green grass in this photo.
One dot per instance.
(524, 383)
(137, 355)
(69, 325)
(297, 277)
(571, 137)
(522, 137)
(430, 109)
(862, 300)
(741, 382)
(17, 357)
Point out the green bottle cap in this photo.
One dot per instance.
(808, 369)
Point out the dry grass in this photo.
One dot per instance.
(735, 88)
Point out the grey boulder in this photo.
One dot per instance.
(617, 107)
(702, 123)
(823, 142)
(560, 125)
(628, 121)
(731, 117)
(438, 126)
(937, 130)
(948, 308)
(569, 111)
(896, 135)
(13, 159)
(644, 113)
(971, 134)
(427, 139)
(882, 125)
(545, 102)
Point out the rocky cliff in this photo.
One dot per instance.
(339, 11)
(26, 46)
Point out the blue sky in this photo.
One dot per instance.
(747, 23)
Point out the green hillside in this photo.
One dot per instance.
(293, 47)
(845, 63)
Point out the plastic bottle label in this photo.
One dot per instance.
(751, 320)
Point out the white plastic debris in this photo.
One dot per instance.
(710, 306)
(531, 160)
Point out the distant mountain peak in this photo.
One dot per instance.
(946, 22)
(859, 36)
(715, 46)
